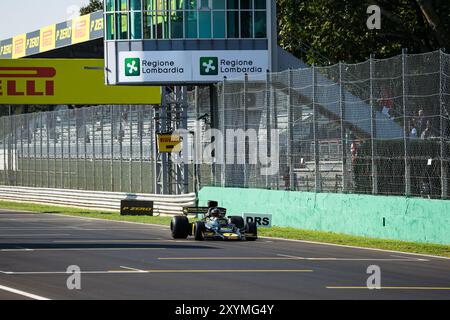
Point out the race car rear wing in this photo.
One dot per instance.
(200, 211)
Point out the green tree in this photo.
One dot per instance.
(322, 31)
(94, 5)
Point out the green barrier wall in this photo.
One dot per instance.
(400, 218)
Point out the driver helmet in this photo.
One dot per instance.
(215, 213)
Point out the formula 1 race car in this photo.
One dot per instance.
(213, 226)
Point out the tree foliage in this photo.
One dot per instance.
(323, 31)
(94, 5)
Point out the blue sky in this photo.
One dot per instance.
(20, 16)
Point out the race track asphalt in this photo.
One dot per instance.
(132, 261)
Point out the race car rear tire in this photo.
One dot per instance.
(180, 227)
(199, 229)
(237, 221)
(252, 230)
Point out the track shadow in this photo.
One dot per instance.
(9, 246)
(13, 213)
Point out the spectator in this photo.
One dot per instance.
(427, 133)
(287, 180)
(413, 129)
(421, 123)
(295, 182)
(386, 102)
(354, 149)
(446, 128)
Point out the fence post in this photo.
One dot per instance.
(343, 138)
(373, 129)
(268, 127)
(61, 148)
(443, 129)
(112, 121)
(102, 146)
(405, 136)
(120, 147)
(34, 150)
(246, 155)
(317, 178)
(3, 127)
(94, 129)
(69, 137)
(141, 146)
(130, 125)
(213, 92)
(290, 132)
(16, 152)
(196, 144)
(224, 142)
(275, 119)
(48, 124)
(9, 148)
(21, 128)
(41, 164)
(55, 118)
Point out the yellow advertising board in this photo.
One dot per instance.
(66, 81)
(169, 143)
(19, 46)
(47, 38)
(80, 29)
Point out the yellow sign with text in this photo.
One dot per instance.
(66, 81)
(48, 38)
(80, 29)
(169, 143)
(19, 46)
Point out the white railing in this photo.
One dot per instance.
(163, 204)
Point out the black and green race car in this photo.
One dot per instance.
(213, 226)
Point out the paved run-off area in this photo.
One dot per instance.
(133, 261)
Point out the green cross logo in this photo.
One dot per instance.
(209, 66)
(132, 67)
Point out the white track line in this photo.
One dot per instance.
(35, 235)
(109, 272)
(132, 269)
(355, 247)
(22, 293)
(403, 259)
(80, 249)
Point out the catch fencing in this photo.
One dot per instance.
(101, 148)
(376, 127)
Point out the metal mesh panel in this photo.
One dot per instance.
(376, 127)
(87, 148)
(345, 128)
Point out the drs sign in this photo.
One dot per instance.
(261, 220)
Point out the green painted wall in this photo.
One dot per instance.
(410, 219)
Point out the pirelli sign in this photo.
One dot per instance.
(136, 208)
(27, 81)
(65, 81)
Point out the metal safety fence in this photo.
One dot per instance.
(376, 127)
(101, 148)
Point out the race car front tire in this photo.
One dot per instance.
(237, 221)
(199, 229)
(180, 227)
(251, 231)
